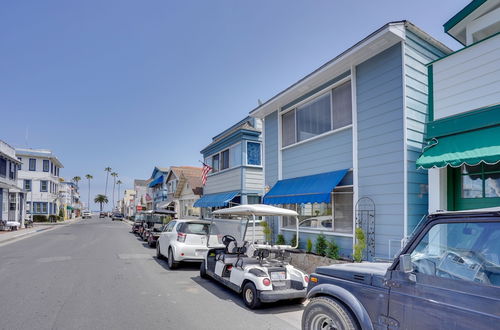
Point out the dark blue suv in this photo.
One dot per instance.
(446, 277)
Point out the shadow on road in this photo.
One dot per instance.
(225, 293)
(183, 267)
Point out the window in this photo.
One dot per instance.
(20, 165)
(253, 199)
(44, 207)
(3, 167)
(481, 181)
(460, 251)
(324, 113)
(215, 163)
(32, 164)
(45, 165)
(12, 170)
(52, 168)
(224, 156)
(253, 153)
(27, 185)
(43, 186)
(235, 155)
(336, 216)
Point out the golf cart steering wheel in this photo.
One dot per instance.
(226, 239)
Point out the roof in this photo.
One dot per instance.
(395, 27)
(138, 182)
(256, 209)
(241, 125)
(191, 173)
(45, 153)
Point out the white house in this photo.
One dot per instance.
(39, 176)
(69, 198)
(184, 188)
(12, 210)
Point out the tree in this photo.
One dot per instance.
(114, 175)
(107, 170)
(101, 199)
(76, 179)
(89, 177)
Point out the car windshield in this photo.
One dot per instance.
(222, 227)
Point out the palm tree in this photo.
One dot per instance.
(107, 170)
(89, 177)
(101, 199)
(76, 179)
(114, 175)
(119, 182)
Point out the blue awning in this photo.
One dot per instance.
(216, 200)
(156, 181)
(305, 189)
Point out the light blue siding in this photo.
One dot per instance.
(344, 243)
(329, 153)
(417, 54)
(379, 94)
(271, 149)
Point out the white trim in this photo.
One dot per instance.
(324, 232)
(355, 180)
(280, 143)
(318, 137)
(405, 143)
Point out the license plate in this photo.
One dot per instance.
(278, 276)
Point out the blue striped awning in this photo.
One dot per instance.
(156, 181)
(216, 200)
(305, 189)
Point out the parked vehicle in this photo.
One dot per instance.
(153, 224)
(102, 215)
(447, 276)
(183, 241)
(86, 215)
(28, 223)
(260, 272)
(116, 216)
(138, 221)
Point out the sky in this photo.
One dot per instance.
(137, 84)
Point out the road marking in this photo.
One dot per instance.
(52, 259)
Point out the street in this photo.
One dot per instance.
(95, 274)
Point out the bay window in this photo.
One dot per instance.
(329, 111)
(253, 153)
(224, 156)
(215, 163)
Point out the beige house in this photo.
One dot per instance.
(184, 188)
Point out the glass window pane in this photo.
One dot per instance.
(492, 185)
(471, 169)
(314, 118)
(472, 186)
(253, 153)
(492, 168)
(224, 159)
(215, 163)
(235, 155)
(342, 106)
(342, 211)
(288, 128)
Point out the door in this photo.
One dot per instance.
(455, 283)
(1, 205)
(12, 207)
(165, 237)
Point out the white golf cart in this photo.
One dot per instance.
(259, 271)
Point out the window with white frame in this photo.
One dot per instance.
(43, 185)
(336, 216)
(327, 112)
(253, 153)
(215, 163)
(224, 159)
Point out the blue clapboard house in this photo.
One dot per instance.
(341, 143)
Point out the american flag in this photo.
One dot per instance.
(204, 173)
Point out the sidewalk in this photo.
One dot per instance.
(6, 236)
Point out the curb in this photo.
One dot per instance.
(24, 234)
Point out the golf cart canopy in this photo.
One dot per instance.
(256, 210)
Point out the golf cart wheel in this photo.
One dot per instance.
(172, 264)
(158, 253)
(251, 296)
(203, 270)
(327, 313)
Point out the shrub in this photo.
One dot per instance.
(280, 240)
(53, 218)
(360, 245)
(266, 229)
(321, 245)
(309, 247)
(293, 241)
(39, 218)
(332, 251)
(61, 213)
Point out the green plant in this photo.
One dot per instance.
(280, 240)
(360, 245)
(39, 218)
(332, 250)
(293, 241)
(61, 213)
(53, 218)
(321, 245)
(309, 247)
(266, 229)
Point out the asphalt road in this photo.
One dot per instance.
(95, 274)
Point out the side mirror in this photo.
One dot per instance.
(405, 264)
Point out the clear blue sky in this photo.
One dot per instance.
(134, 84)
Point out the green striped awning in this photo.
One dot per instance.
(471, 148)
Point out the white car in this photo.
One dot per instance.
(86, 215)
(183, 240)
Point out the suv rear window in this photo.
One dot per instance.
(194, 228)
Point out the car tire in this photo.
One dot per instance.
(251, 296)
(325, 312)
(203, 270)
(158, 253)
(172, 264)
